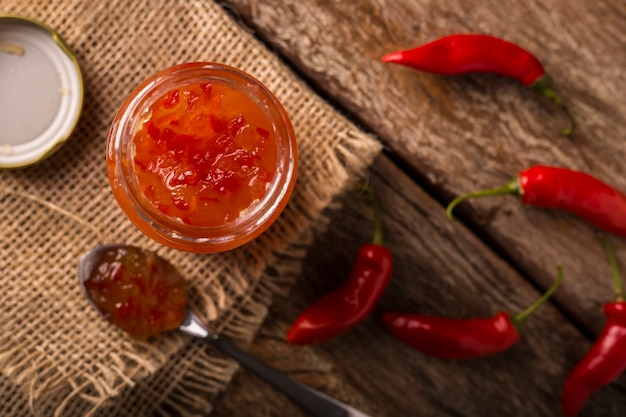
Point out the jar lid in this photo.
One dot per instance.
(41, 91)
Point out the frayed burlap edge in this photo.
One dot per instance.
(172, 370)
(207, 373)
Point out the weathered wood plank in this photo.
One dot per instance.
(460, 134)
(441, 268)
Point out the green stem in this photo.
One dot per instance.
(617, 279)
(378, 230)
(512, 187)
(542, 86)
(519, 318)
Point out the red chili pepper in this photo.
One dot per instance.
(469, 53)
(451, 338)
(573, 191)
(606, 359)
(352, 303)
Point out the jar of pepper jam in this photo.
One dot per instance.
(202, 157)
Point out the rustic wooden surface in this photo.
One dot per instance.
(453, 135)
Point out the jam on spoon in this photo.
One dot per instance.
(145, 295)
(138, 291)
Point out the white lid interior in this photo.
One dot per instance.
(40, 92)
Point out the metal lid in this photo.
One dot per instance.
(41, 91)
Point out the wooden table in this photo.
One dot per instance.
(446, 136)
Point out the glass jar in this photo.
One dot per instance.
(202, 157)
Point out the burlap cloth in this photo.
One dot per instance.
(57, 356)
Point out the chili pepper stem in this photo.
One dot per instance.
(617, 279)
(378, 230)
(512, 187)
(520, 317)
(542, 86)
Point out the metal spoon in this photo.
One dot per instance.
(314, 402)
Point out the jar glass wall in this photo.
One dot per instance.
(202, 157)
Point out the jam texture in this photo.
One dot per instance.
(138, 291)
(204, 154)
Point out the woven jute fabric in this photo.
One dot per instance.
(57, 356)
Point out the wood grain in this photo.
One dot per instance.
(442, 269)
(454, 135)
(459, 134)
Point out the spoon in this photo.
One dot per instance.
(314, 402)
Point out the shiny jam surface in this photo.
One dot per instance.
(205, 153)
(138, 291)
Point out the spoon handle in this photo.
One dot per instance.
(314, 402)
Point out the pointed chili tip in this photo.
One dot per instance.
(291, 336)
(574, 395)
(300, 333)
(387, 317)
(393, 57)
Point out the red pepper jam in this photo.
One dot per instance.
(138, 291)
(206, 153)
